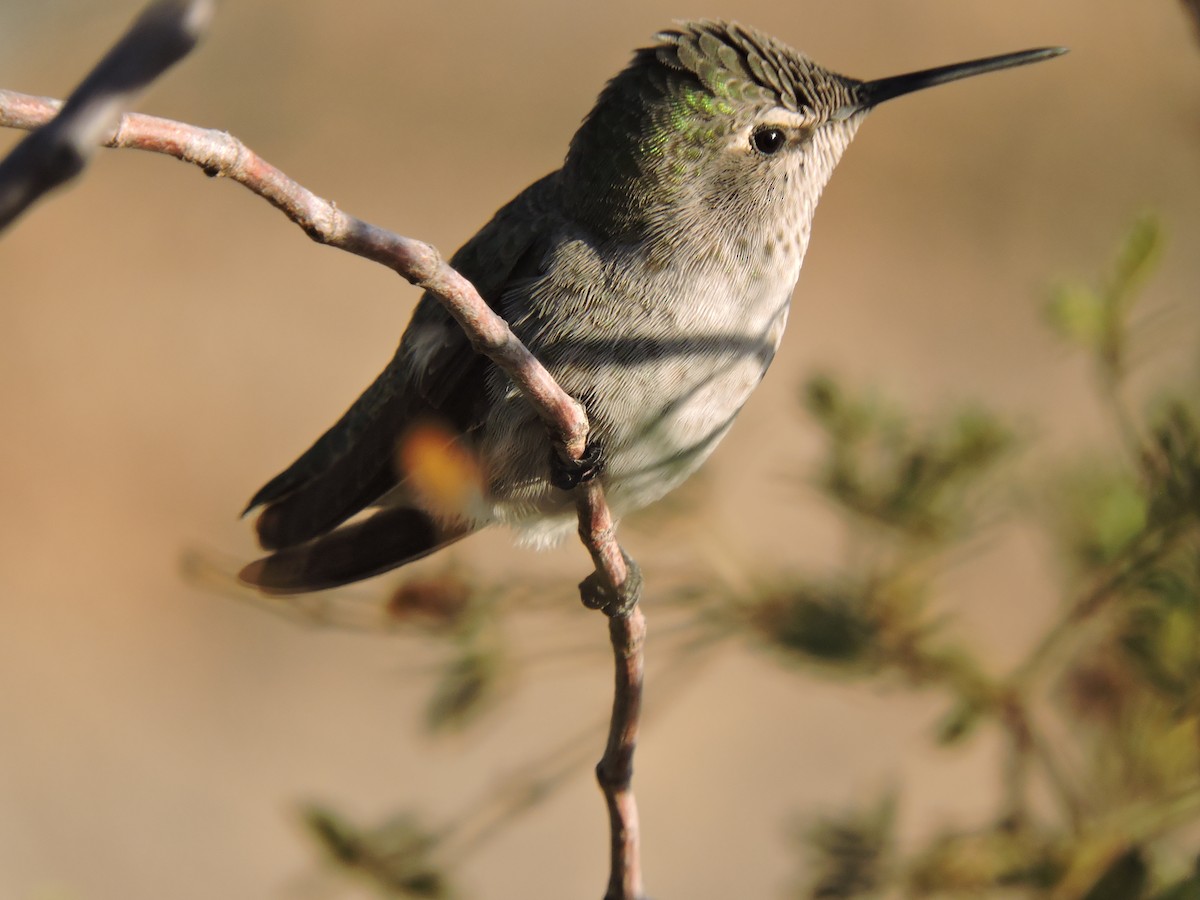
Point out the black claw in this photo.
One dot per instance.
(567, 474)
(597, 594)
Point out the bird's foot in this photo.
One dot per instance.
(617, 602)
(567, 474)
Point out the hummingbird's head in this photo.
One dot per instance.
(717, 122)
(720, 128)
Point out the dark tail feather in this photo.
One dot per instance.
(346, 484)
(389, 538)
(324, 502)
(378, 401)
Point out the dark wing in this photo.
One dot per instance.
(352, 464)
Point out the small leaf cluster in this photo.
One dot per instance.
(882, 467)
(1096, 317)
(909, 493)
(397, 858)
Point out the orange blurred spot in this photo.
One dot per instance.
(445, 477)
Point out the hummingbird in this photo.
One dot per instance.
(651, 275)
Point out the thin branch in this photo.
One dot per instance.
(221, 155)
(1027, 745)
(537, 778)
(615, 770)
(162, 35)
(615, 586)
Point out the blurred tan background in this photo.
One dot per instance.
(168, 342)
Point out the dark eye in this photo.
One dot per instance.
(768, 141)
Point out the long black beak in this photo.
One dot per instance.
(872, 93)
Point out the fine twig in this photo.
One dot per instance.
(614, 587)
(615, 769)
(163, 34)
(221, 155)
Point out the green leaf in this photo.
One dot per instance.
(339, 838)
(1078, 314)
(468, 683)
(1136, 260)
(850, 854)
(822, 624)
(978, 439)
(1096, 319)
(1101, 513)
(959, 722)
(1187, 889)
(1119, 516)
(1161, 633)
(398, 856)
(823, 397)
(1173, 464)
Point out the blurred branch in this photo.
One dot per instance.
(58, 150)
(1192, 7)
(615, 585)
(1089, 603)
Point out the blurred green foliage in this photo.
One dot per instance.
(396, 858)
(1103, 716)
(467, 619)
(1097, 317)
(881, 467)
(854, 852)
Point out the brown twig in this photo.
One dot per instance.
(163, 34)
(615, 769)
(627, 630)
(221, 155)
(615, 585)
